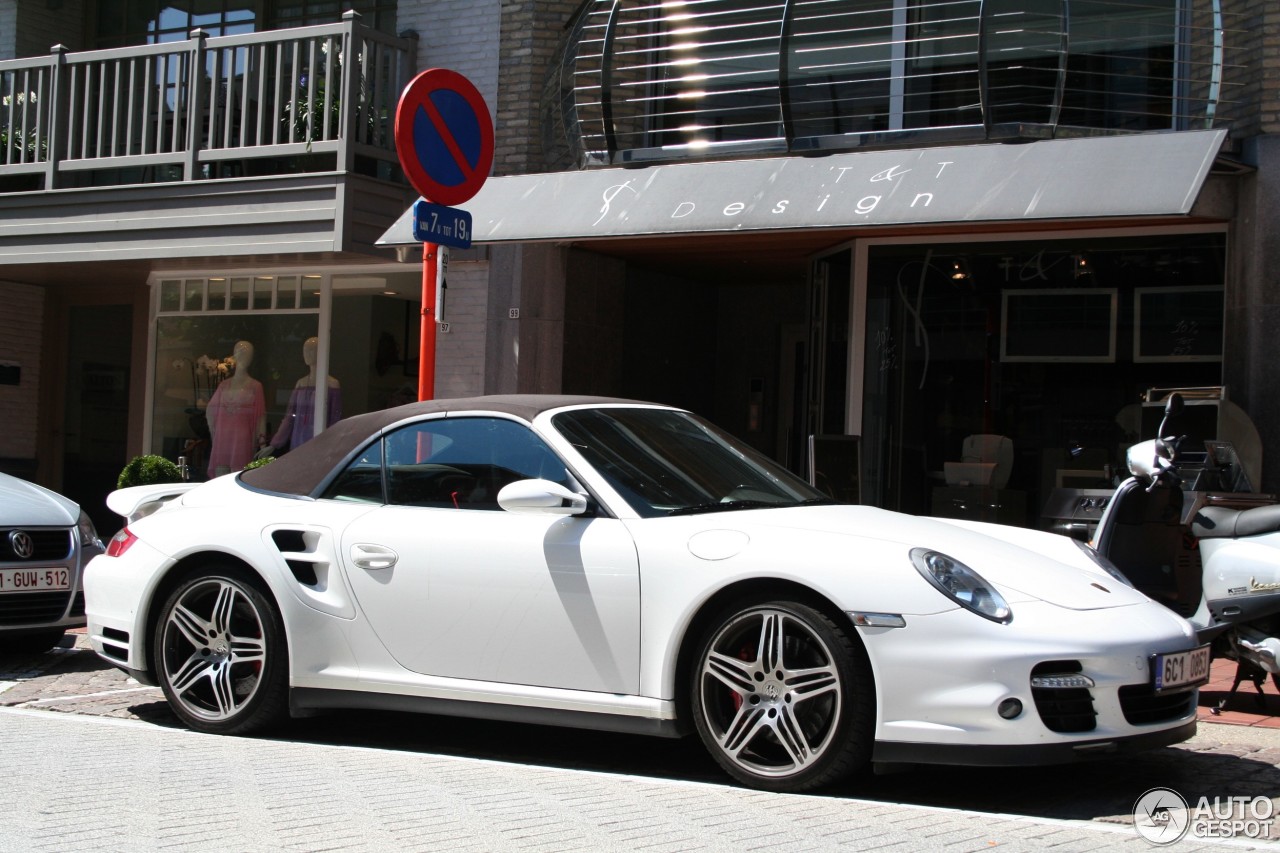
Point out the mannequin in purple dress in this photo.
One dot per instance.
(298, 425)
(237, 416)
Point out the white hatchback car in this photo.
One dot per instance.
(626, 566)
(45, 540)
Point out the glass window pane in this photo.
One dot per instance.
(362, 481)
(462, 463)
(310, 296)
(170, 295)
(287, 291)
(193, 295)
(217, 294)
(840, 67)
(240, 293)
(263, 288)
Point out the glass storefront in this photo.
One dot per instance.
(238, 359)
(1037, 353)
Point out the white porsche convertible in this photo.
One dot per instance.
(627, 566)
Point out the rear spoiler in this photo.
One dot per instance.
(138, 502)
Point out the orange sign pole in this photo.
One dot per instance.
(427, 338)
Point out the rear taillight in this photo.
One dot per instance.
(120, 543)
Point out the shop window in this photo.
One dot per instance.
(371, 357)
(1048, 344)
(209, 341)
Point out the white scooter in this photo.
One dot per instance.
(1215, 564)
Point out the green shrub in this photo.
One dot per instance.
(148, 470)
(258, 463)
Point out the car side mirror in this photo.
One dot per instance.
(541, 497)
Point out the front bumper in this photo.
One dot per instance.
(1024, 755)
(941, 679)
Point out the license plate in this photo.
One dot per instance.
(34, 580)
(1182, 669)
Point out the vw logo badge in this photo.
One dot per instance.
(20, 542)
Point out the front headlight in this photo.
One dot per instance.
(88, 533)
(961, 584)
(1102, 562)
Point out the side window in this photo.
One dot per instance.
(362, 480)
(462, 463)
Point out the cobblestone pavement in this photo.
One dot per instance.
(474, 776)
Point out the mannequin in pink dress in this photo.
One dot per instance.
(237, 416)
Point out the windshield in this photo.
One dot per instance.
(669, 463)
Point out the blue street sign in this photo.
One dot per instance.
(447, 226)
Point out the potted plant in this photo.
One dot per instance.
(148, 470)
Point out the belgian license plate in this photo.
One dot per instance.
(34, 580)
(1182, 669)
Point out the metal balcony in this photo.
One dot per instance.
(637, 81)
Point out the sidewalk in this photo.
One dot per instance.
(112, 771)
(88, 783)
(1247, 707)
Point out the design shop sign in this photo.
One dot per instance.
(1141, 175)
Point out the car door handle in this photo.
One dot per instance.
(373, 556)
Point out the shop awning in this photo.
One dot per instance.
(1114, 176)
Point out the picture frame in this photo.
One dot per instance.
(1178, 324)
(1065, 324)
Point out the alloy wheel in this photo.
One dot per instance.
(771, 693)
(214, 649)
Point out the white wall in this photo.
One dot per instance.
(460, 352)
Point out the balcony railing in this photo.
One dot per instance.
(263, 103)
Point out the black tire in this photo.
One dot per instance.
(782, 696)
(220, 654)
(32, 644)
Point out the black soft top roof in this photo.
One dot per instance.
(302, 471)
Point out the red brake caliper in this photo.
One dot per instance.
(743, 654)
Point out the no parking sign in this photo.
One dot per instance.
(444, 136)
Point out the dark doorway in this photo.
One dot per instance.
(96, 413)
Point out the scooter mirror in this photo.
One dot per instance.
(1172, 408)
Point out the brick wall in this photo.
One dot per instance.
(462, 37)
(531, 34)
(21, 331)
(1250, 99)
